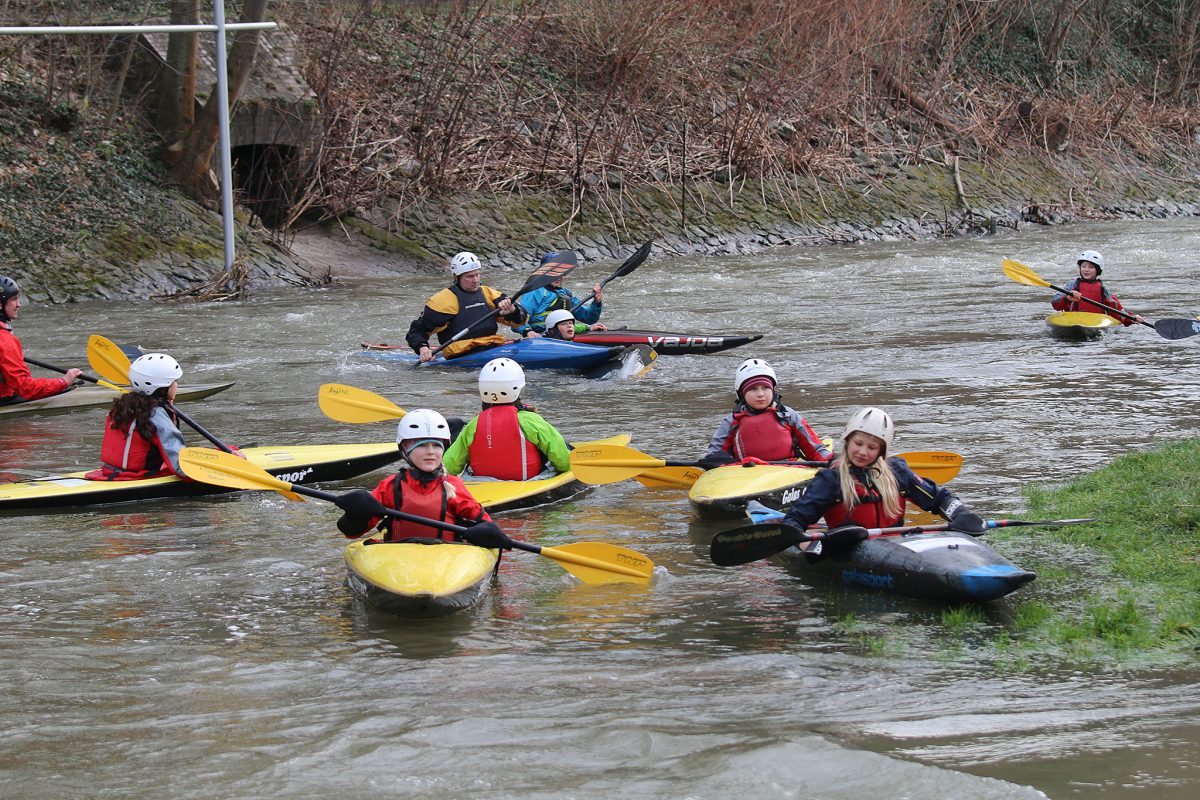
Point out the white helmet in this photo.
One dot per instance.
(463, 263)
(874, 421)
(423, 424)
(753, 368)
(152, 372)
(501, 381)
(556, 317)
(1092, 256)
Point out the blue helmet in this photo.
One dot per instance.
(546, 259)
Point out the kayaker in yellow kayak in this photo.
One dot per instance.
(761, 427)
(863, 488)
(508, 440)
(16, 383)
(141, 436)
(463, 306)
(421, 487)
(1087, 290)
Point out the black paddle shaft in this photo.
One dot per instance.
(631, 263)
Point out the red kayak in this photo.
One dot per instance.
(669, 344)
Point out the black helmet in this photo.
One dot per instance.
(8, 289)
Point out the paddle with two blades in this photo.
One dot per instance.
(590, 562)
(599, 463)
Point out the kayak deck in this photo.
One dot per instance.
(537, 353)
(934, 566)
(722, 493)
(419, 579)
(301, 464)
(1080, 324)
(91, 395)
(669, 344)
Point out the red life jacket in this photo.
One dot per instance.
(868, 512)
(1095, 292)
(762, 435)
(429, 500)
(128, 456)
(500, 449)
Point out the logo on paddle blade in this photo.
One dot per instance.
(295, 477)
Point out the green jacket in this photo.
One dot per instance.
(544, 436)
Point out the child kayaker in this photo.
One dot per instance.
(508, 440)
(421, 487)
(761, 426)
(16, 383)
(1085, 291)
(862, 487)
(141, 437)
(561, 324)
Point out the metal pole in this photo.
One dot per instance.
(223, 121)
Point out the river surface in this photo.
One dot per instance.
(208, 648)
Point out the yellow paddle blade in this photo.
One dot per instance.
(1022, 274)
(350, 404)
(107, 359)
(225, 469)
(598, 562)
(938, 466)
(670, 477)
(596, 463)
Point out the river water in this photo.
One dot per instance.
(209, 648)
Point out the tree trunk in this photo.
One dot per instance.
(1187, 23)
(177, 100)
(192, 169)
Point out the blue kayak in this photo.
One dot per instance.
(539, 353)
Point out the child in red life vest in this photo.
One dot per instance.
(422, 488)
(761, 426)
(864, 488)
(508, 441)
(1085, 291)
(141, 437)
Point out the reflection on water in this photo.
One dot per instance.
(213, 639)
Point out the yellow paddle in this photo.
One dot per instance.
(350, 404)
(590, 562)
(598, 463)
(111, 362)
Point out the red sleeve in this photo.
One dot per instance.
(1062, 304)
(386, 494)
(14, 374)
(465, 507)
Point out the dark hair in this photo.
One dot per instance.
(136, 409)
(520, 404)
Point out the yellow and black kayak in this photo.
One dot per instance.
(419, 578)
(722, 493)
(301, 464)
(1079, 325)
(92, 395)
(511, 495)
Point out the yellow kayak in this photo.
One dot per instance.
(300, 464)
(722, 493)
(1079, 324)
(414, 579)
(509, 495)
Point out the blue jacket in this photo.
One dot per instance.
(541, 302)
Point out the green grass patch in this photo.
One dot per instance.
(1139, 563)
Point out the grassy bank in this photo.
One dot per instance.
(1126, 587)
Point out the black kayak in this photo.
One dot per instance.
(669, 344)
(937, 566)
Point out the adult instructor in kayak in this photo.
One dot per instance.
(16, 383)
(464, 306)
